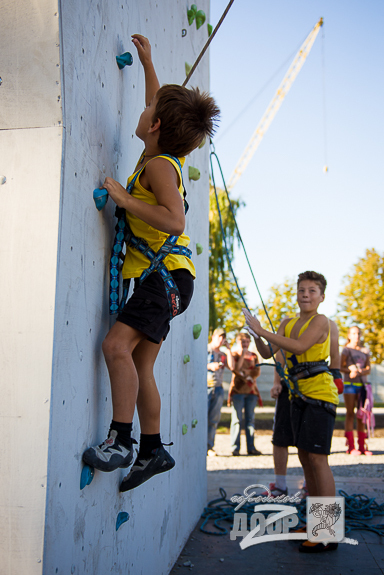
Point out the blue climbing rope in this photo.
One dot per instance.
(358, 510)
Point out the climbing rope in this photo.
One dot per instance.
(358, 510)
(207, 44)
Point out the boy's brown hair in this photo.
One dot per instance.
(315, 277)
(187, 117)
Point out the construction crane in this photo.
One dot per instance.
(275, 104)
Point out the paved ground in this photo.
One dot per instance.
(218, 555)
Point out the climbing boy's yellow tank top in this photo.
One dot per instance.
(135, 262)
(320, 386)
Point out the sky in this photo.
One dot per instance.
(296, 216)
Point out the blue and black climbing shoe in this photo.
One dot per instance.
(143, 469)
(111, 454)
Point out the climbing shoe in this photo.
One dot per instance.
(275, 491)
(310, 547)
(143, 469)
(109, 455)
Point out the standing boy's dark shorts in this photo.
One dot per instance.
(282, 428)
(147, 310)
(312, 426)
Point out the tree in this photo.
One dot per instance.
(225, 302)
(362, 302)
(281, 302)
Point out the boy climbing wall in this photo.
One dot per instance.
(174, 122)
(307, 341)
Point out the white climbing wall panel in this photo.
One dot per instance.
(67, 118)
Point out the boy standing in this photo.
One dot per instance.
(307, 340)
(174, 122)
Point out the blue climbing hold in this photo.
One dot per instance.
(122, 517)
(124, 60)
(100, 198)
(86, 477)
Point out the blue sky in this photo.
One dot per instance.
(296, 217)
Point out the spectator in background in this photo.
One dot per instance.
(244, 394)
(355, 366)
(217, 360)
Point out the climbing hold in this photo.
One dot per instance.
(196, 330)
(188, 68)
(184, 428)
(186, 359)
(100, 197)
(199, 249)
(193, 173)
(3, 179)
(325, 169)
(210, 29)
(122, 517)
(183, 33)
(191, 13)
(86, 477)
(124, 60)
(202, 144)
(200, 19)
(194, 423)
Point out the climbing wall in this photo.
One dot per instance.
(67, 119)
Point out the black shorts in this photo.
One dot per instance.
(282, 428)
(312, 426)
(147, 310)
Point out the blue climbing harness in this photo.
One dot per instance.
(123, 236)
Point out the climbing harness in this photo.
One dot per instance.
(289, 379)
(125, 236)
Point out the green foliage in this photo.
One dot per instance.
(225, 302)
(280, 303)
(362, 302)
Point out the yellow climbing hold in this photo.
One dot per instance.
(184, 428)
(188, 68)
(202, 143)
(193, 173)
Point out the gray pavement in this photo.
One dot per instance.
(217, 555)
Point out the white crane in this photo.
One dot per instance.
(275, 104)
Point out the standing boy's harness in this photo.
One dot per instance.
(123, 236)
(305, 370)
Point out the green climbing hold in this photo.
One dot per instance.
(194, 423)
(196, 330)
(199, 249)
(122, 517)
(124, 60)
(193, 173)
(86, 477)
(186, 359)
(202, 143)
(200, 19)
(210, 29)
(184, 428)
(191, 13)
(188, 68)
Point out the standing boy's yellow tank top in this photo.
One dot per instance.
(135, 262)
(320, 386)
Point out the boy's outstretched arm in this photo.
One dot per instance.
(316, 332)
(264, 349)
(144, 52)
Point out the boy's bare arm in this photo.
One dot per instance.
(144, 52)
(334, 361)
(264, 349)
(168, 216)
(316, 332)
